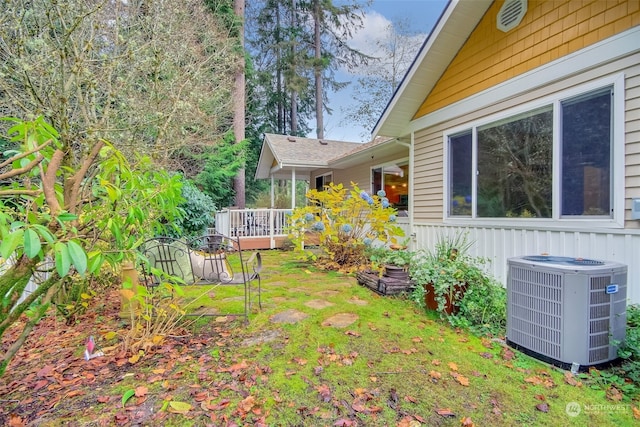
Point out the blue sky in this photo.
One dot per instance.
(420, 15)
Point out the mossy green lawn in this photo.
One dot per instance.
(393, 362)
(326, 351)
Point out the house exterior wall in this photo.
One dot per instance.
(502, 238)
(548, 31)
(359, 174)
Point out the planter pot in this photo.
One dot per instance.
(450, 307)
(396, 272)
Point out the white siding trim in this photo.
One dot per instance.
(500, 242)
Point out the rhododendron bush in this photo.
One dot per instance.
(344, 222)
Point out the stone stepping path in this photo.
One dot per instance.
(289, 316)
(341, 320)
(318, 304)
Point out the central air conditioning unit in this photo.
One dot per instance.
(566, 311)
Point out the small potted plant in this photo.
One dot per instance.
(393, 261)
(443, 275)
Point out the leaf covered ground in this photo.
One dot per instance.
(323, 351)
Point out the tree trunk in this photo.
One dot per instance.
(317, 69)
(293, 120)
(238, 105)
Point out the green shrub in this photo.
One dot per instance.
(345, 222)
(198, 211)
(629, 349)
(458, 277)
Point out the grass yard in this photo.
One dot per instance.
(324, 351)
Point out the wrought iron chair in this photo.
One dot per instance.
(212, 259)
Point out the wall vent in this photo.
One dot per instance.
(511, 14)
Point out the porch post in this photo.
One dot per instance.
(293, 188)
(273, 197)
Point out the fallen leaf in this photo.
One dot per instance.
(247, 404)
(461, 379)
(435, 362)
(45, 371)
(325, 392)
(127, 395)
(103, 399)
(179, 407)
(536, 380)
(40, 384)
(411, 399)
(352, 333)
(540, 397)
(445, 412)
(542, 407)
(110, 335)
(466, 422)
(16, 421)
(636, 413)
(141, 391)
(416, 339)
(453, 366)
(486, 355)
(570, 379)
(359, 407)
(507, 354)
(614, 394)
(300, 361)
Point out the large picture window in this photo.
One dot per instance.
(505, 168)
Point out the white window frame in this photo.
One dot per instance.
(324, 181)
(617, 152)
(400, 161)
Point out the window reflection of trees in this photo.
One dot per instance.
(515, 166)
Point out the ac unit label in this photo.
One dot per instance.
(612, 289)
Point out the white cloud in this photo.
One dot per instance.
(374, 27)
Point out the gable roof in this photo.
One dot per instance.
(452, 30)
(282, 153)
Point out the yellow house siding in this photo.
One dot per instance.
(548, 31)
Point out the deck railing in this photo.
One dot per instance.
(252, 222)
(264, 222)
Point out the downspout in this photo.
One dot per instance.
(412, 234)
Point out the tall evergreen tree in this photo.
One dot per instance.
(332, 25)
(297, 46)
